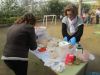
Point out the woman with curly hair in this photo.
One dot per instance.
(72, 25)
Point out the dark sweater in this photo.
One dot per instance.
(77, 34)
(79, 29)
(20, 39)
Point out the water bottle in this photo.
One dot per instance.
(79, 50)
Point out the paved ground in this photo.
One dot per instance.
(89, 41)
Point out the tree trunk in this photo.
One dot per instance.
(80, 8)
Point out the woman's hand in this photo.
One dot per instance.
(65, 38)
(72, 41)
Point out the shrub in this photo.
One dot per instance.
(8, 20)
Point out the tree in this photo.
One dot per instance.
(80, 8)
(86, 8)
(10, 10)
(55, 7)
(10, 7)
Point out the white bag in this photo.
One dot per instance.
(42, 33)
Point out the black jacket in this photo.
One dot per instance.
(77, 35)
(79, 29)
(20, 39)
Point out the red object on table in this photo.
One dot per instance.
(42, 49)
(69, 59)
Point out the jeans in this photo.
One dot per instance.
(19, 67)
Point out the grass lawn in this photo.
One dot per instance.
(89, 41)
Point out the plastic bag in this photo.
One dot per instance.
(42, 33)
(54, 52)
(86, 56)
(59, 67)
(65, 49)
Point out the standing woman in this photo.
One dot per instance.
(72, 25)
(97, 15)
(20, 38)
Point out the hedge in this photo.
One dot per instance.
(7, 20)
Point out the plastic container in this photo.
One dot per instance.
(69, 59)
(42, 49)
(79, 49)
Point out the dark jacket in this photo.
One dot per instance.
(79, 29)
(20, 39)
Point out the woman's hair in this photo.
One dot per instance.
(27, 18)
(72, 8)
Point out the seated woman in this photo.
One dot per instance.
(72, 25)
